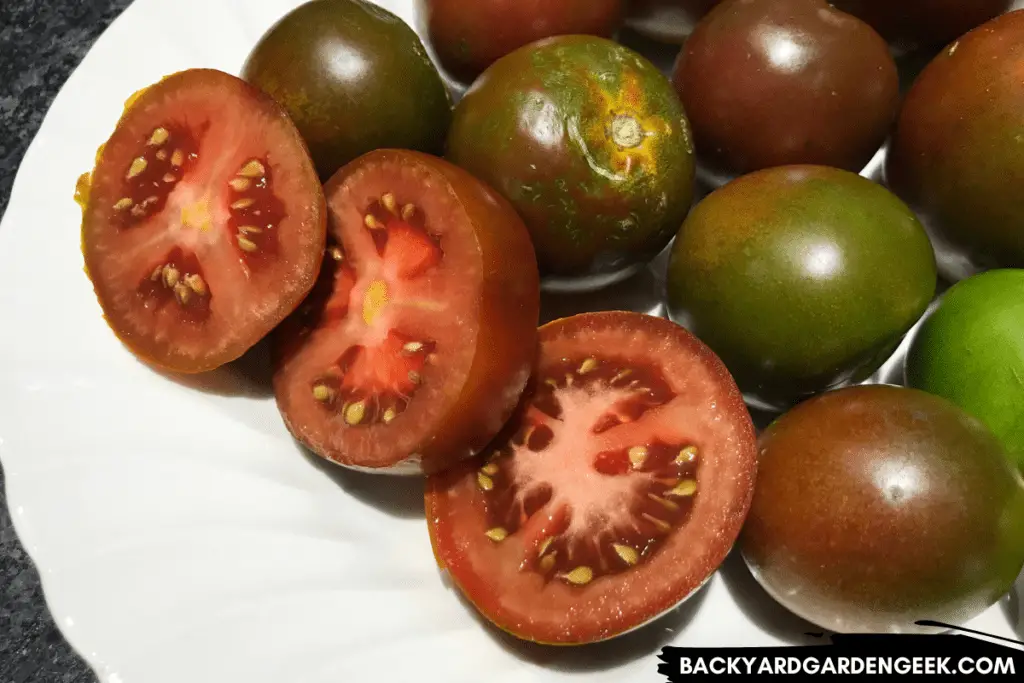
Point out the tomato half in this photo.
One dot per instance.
(615, 492)
(203, 222)
(416, 345)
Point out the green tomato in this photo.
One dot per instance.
(970, 350)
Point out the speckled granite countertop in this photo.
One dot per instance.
(41, 42)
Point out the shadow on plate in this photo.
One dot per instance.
(249, 376)
(397, 495)
(761, 609)
(1014, 608)
(645, 641)
(642, 292)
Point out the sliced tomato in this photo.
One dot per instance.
(204, 223)
(616, 491)
(415, 346)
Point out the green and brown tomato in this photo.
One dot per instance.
(801, 278)
(970, 350)
(879, 506)
(467, 37)
(957, 152)
(354, 78)
(588, 141)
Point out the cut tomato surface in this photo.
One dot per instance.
(204, 223)
(416, 344)
(613, 494)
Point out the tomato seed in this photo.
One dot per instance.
(243, 203)
(661, 524)
(171, 276)
(177, 158)
(637, 456)
(123, 203)
(252, 169)
(161, 154)
(246, 244)
(355, 412)
(388, 201)
(587, 365)
(138, 166)
(249, 230)
(413, 347)
(389, 415)
(407, 211)
(322, 393)
(580, 576)
(169, 178)
(490, 468)
(372, 223)
(665, 503)
(159, 137)
(182, 293)
(497, 534)
(687, 487)
(239, 184)
(688, 454)
(626, 553)
(336, 253)
(196, 283)
(485, 482)
(547, 563)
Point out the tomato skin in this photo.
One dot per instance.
(515, 600)
(537, 126)
(100, 187)
(469, 37)
(831, 103)
(955, 155)
(390, 96)
(506, 314)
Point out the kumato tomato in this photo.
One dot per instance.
(613, 494)
(469, 36)
(956, 155)
(669, 21)
(802, 278)
(203, 221)
(879, 506)
(924, 23)
(589, 142)
(807, 84)
(354, 78)
(414, 348)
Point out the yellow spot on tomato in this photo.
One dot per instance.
(625, 130)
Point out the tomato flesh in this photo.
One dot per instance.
(414, 348)
(614, 493)
(204, 224)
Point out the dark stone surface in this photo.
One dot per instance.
(41, 42)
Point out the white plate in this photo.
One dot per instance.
(180, 533)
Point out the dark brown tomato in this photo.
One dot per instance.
(354, 78)
(957, 152)
(588, 141)
(669, 21)
(416, 345)
(614, 493)
(879, 506)
(776, 82)
(469, 37)
(924, 23)
(203, 221)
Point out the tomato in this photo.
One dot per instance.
(924, 23)
(589, 142)
(801, 278)
(669, 21)
(413, 350)
(956, 155)
(469, 37)
(614, 493)
(970, 350)
(878, 506)
(203, 221)
(807, 84)
(354, 78)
